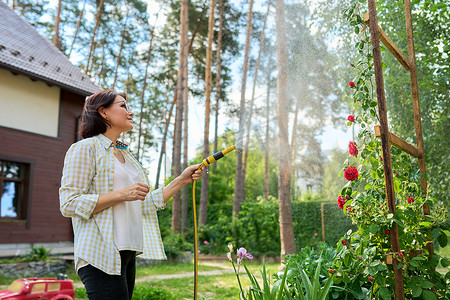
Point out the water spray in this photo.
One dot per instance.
(206, 162)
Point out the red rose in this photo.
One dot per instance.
(410, 200)
(400, 254)
(344, 242)
(351, 84)
(351, 173)
(331, 272)
(352, 149)
(370, 278)
(386, 231)
(341, 202)
(351, 118)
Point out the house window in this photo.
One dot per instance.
(13, 178)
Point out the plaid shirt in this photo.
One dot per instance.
(88, 172)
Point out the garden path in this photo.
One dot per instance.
(223, 268)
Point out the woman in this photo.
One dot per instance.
(106, 192)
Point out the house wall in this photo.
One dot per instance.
(45, 154)
(28, 105)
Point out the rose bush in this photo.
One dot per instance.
(363, 254)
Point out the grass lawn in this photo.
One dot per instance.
(223, 286)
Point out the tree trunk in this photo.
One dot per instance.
(239, 186)
(185, 196)
(119, 57)
(284, 163)
(78, 28)
(252, 100)
(97, 23)
(163, 143)
(181, 87)
(266, 149)
(147, 64)
(208, 88)
(56, 40)
(218, 77)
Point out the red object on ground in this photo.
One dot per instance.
(39, 288)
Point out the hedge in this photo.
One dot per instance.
(257, 228)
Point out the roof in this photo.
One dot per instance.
(23, 50)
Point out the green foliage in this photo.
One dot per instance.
(361, 260)
(175, 244)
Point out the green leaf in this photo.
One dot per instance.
(397, 186)
(414, 263)
(416, 291)
(356, 29)
(445, 262)
(426, 284)
(443, 240)
(435, 233)
(385, 294)
(427, 295)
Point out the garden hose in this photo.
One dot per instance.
(207, 161)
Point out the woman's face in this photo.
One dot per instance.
(119, 115)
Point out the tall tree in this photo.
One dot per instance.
(284, 163)
(185, 196)
(181, 87)
(122, 40)
(218, 77)
(239, 191)
(252, 99)
(56, 41)
(208, 88)
(80, 17)
(97, 24)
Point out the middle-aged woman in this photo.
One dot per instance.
(106, 193)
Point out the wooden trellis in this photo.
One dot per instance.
(382, 130)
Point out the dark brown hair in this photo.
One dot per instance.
(92, 123)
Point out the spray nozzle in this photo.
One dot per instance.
(216, 156)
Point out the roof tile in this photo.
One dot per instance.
(24, 50)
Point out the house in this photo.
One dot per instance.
(41, 99)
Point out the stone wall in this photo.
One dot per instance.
(33, 269)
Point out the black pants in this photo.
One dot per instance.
(102, 286)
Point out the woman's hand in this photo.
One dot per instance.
(136, 191)
(191, 173)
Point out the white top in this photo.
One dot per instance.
(127, 215)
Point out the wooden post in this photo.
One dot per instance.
(323, 220)
(395, 245)
(416, 106)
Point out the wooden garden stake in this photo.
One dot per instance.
(395, 245)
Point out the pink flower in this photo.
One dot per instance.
(351, 173)
(386, 231)
(351, 118)
(241, 253)
(341, 202)
(349, 208)
(352, 149)
(410, 200)
(359, 257)
(370, 278)
(351, 84)
(315, 234)
(331, 272)
(206, 242)
(400, 254)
